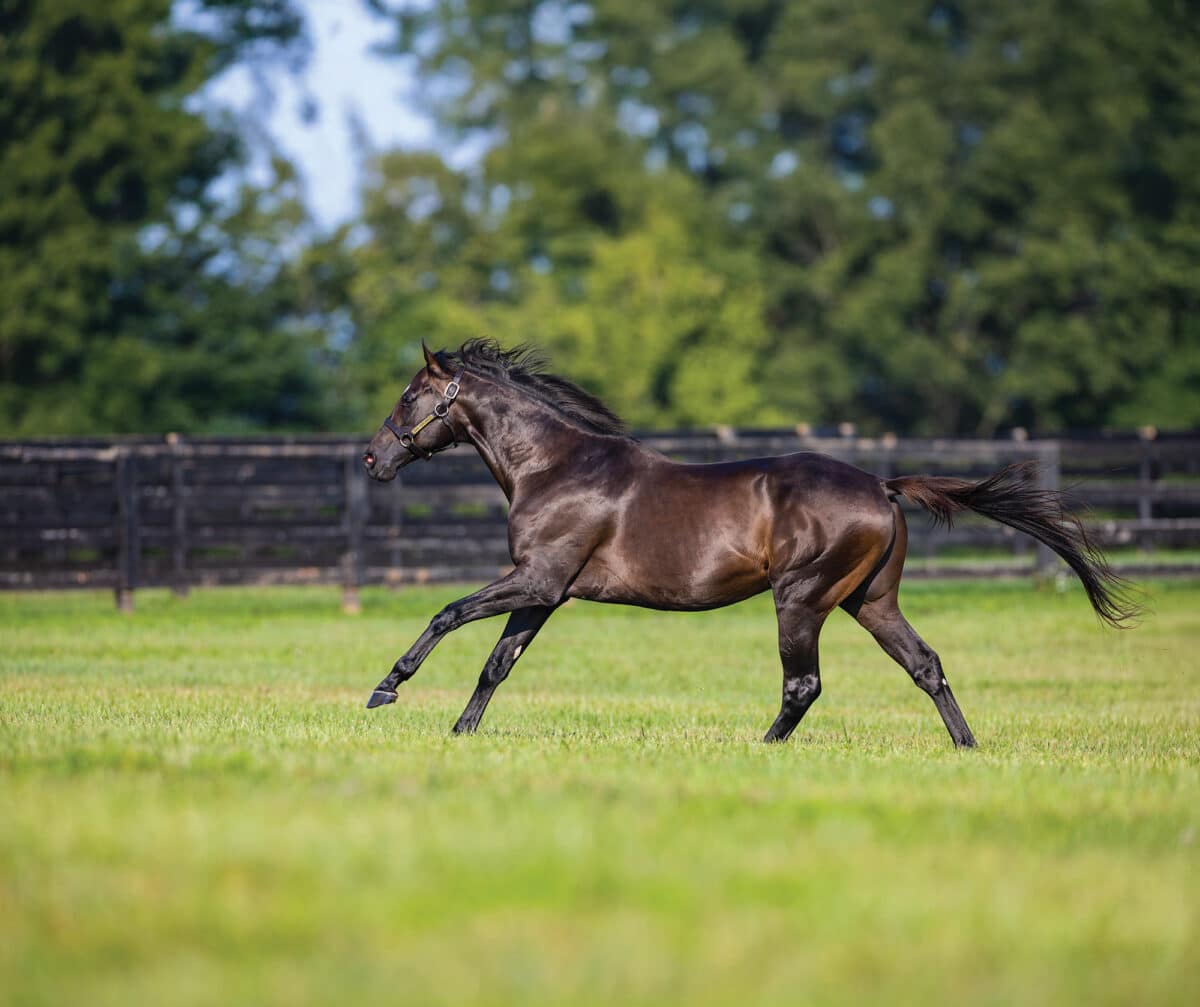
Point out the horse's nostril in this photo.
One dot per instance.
(369, 460)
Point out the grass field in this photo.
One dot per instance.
(195, 808)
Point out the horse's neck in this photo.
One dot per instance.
(519, 437)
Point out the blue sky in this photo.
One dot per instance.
(346, 80)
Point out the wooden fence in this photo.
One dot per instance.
(178, 512)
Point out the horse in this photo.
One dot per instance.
(595, 514)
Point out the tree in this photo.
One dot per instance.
(131, 299)
(958, 216)
(620, 282)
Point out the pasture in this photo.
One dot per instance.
(195, 807)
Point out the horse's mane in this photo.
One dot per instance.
(524, 369)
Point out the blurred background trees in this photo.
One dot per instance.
(929, 218)
(133, 295)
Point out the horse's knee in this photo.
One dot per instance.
(927, 674)
(445, 621)
(495, 670)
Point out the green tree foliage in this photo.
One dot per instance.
(130, 299)
(936, 217)
(653, 311)
(946, 217)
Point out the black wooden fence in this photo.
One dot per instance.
(178, 512)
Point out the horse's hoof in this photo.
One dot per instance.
(380, 697)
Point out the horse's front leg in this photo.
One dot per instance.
(522, 627)
(522, 588)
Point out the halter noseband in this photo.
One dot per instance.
(408, 436)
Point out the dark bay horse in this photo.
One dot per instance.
(594, 514)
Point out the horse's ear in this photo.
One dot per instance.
(433, 363)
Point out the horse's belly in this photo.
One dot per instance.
(654, 580)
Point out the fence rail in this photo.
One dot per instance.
(179, 512)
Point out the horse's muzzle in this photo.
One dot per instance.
(380, 470)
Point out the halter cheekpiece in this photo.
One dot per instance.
(407, 436)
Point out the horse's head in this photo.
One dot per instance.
(420, 425)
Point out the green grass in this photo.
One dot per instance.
(195, 808)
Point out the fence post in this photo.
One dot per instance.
(353, 520)
(179, 523)
(888, 467)
(1146, 473)
(128, 532)
(1020, 543)
(1049, 478)
(397, 522)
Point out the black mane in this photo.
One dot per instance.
(525, 369)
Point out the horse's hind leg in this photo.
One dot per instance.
(799, 628)
(892, 632)
(876, 606)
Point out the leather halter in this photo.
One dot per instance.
(407, 436)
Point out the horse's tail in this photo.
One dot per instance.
(1012, 497)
